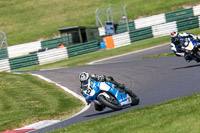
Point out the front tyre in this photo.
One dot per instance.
(135, 99)
(106, 102)
(198, 55)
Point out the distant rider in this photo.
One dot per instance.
(85, 78)
(177, 40)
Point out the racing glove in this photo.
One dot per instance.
(110, 78)
(102, 78)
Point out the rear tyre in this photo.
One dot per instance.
(107, 103)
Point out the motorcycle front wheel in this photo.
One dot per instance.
(103, 100)
(198, 55)
(135, 99)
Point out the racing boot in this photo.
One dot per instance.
(188, 58)
(124, 89)
(128, 91)
(87, 101)
(120, 87)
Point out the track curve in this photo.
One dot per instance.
(153, 80)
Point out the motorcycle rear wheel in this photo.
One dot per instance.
(105, 102)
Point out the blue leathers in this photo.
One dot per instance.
(93, 77)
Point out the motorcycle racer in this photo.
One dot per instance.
(178, 43)
(85, 79)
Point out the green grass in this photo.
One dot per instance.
(26, 21)
(158, 56)
(25, 99)
(175, 116)
(86, 58)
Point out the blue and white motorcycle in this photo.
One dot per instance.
(105, 94)
(192, 48)
(189, 47)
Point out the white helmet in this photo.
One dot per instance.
(84, 76)
(174, 34)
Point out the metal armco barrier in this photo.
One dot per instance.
(55, 42)
(83, 48)
(149, 21)
(196, 10)
(23, 49)
(189, 23)
(178, 15)
(24, 61)
(121, 39)
(164, 29)
(51, 43)
(52, 55)
(123, 27)
(4, 65)
(3, 53)
(141, 34)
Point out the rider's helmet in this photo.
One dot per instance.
(84, 77)
(174, 36)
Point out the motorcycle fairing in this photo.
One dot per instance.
(95, 89)
(190, 46)
(122, 98)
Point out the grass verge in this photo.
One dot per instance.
(25, 99)
(158, 56)
(86, 58)
(180, 115)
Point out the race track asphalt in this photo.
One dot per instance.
(153, 80)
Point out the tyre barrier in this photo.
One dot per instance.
(139, 29)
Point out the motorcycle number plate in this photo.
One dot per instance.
(90, 92)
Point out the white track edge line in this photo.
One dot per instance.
(67, 90)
